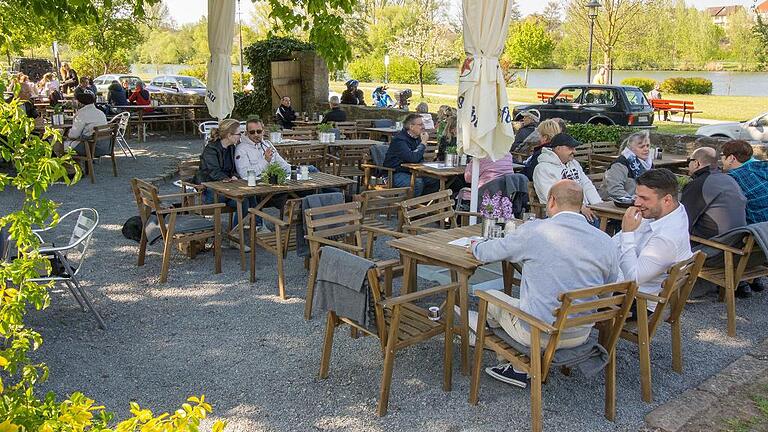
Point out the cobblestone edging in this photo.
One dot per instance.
(673, 415)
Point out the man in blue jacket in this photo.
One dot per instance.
(407, 146)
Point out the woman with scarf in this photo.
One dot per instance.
(634, 160)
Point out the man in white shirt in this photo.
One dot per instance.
(254, 153)
(86, 118)
(654, 233)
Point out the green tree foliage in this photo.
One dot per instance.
(760, 31)
(743, 46)
(528, 45)
(402, 70)
(424, 42)
(645, 84)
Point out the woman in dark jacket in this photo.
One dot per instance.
(116, 94)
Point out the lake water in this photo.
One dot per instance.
(723, 83)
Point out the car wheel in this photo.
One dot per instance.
(719, 136)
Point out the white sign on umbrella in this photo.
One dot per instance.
(484, 118)
(221, 27)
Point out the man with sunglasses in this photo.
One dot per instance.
(254, 153)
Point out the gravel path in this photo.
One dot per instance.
(256, 359)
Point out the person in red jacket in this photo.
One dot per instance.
(140, 96)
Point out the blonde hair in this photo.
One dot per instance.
(450, 124)
(549, 128)
(226, 128)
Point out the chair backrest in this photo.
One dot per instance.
(354, 155)
(104, 136)
(335, 222)
(147, 201)
(305, 154)
(376, 202)
(675, 290)
(205, 129)
(82, 222)
(535, 205)
(419, 212)
(608, 304)
(349, 129)
(122, 122)
(298, 134)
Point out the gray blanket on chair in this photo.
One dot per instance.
(308, 202)
(734, 238)
(589, 357)
(344, 292)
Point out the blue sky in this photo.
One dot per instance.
(184, 11)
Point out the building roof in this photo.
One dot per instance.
(716, 11)
(762, 7)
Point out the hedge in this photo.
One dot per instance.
(402, 70)
(645, 84)
(687, 86)
(587, 133)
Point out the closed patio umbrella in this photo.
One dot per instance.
(221, 26)
(484, 118)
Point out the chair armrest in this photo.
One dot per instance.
(650, 297)
(467, 213)
(330, 156)
(717, 245)
(269, 217)
(191, 208)
(383, 231)
(176, 195)
(502, 300)
(379, 167)
(411, 297)
(333, 243)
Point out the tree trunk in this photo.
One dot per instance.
(421, 80)
(608, 65)
(525, 80)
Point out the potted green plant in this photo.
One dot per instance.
(57, 117)
(451, 156)
(275, 136)
(324, 132)
(274, 174)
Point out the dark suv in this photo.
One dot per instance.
(596, 104)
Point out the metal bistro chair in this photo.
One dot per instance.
(205, 130)
(122, 126)
(68, 259)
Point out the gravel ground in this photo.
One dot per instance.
(256, 359)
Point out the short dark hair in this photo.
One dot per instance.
(254, 121)
(410, 118)
(661, 180)
(740, 149)
(86, 97)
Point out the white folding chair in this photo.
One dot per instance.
(122, 121)
(205, 130)
(70, 258)
(242, 127)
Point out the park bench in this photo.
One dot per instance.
(544, 96)
(669, 106)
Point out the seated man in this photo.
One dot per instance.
(558, 254)
(83, 86)
(335, 114)
(86, 118)
(407, 146)
(555, 163)
(654, 233)
(285, 115)
(751, 175)
(254, 153)
(530, 121)
(713, 200)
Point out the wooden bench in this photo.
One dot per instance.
(669, 106)
(545, 96)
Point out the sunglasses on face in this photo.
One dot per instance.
(255, 131)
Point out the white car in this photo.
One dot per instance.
(755, 130)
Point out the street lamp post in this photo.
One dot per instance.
(386, 68)
(592, 8)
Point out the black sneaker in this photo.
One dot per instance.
(505, 373)
(743, 290)
(759, 284)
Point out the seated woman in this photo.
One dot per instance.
(423, 109)
(635, 159)
(140, 96)
(448, 138)
(217, 163)
(545, 130)
(116, 95)
(86, 118)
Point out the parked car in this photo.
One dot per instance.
(102, 82)
(596, 104)
(755, 130)
(176, 84)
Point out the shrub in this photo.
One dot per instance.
(645, 84)
(402, 70)
(587, 133)
(200, 72)
(687, 86)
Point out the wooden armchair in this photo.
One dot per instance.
(349, 160)
(100, 143)
(278, 242)
(738, 265)
(339, 226)
(375, 203)
(306, 154)
(607, 304)
(298, 134)
(669, 307)
(348, 129)
(399, 324)
(535, 206)
(421, 212)
(181, 227)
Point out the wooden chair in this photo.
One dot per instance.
(374, 204)
(191, 227)
(430, 152)
(187, 171)
(535, 206)
(361, 125)
(339, 226)
(607, 304)
(738, 265)
(348, 129)
(669, 307)
(349, 160)
(306, 154)
(399, 323)
(100, 143)
(582, 155)
(436, 208)
(278, 242)
(298, 134)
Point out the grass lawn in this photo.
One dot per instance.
(675, 127)
(726, 108)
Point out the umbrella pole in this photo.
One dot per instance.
(475, 181)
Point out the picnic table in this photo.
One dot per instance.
(438, 170)
(141, 114)
(238, 190)
(377, 132)
(433, 248)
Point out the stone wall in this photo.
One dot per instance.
(686, 144)
(314, 81)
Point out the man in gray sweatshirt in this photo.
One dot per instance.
(559, 254)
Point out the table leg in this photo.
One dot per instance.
(603, 223)
(464, 326)
(509, 272)
(241, 232)
(407, 270)
(442, 183)
(412, 192)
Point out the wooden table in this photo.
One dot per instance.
(238, 190)
(337, 143)
(433, 248)
(437, 170)
(139, 109)
(379, 132)
(605, 211)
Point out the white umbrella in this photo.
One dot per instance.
(484, 118)
(221, 25)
